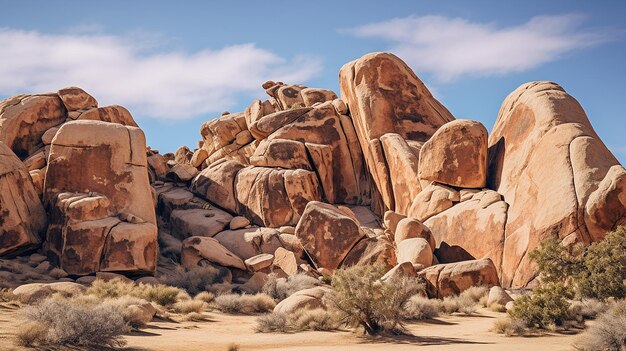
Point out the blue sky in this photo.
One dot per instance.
(176, 65)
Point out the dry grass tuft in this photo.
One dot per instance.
(161, 294)
(302, 320)
(233, 347)
(282, 288)
(189, 306)
(509, 326)
(244, 304)
(419, 307)
(194, 280)
(205, 296)
(608, 332)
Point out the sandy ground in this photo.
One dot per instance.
(219, 330)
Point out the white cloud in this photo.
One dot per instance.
(133, 72)
(453, 47)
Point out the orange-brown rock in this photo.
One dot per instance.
(475, 225)
(268, 124)
(402, 164)
(216, 184)
(25, 118)
(196, 249)
(434, 199)
(198, 222)
(378, 251)
(75, 98)
(384, 96)
(283, 153)
(580, 198)
(412, 228)
(311, 96)
(249, 242)
(22, 217)
(456, 155)
(286, 261)
(327, 234)
(112, 114)
(307, 299)
(416, 251)
(453, 278)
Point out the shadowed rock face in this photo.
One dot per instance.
(554, 172)
(22, 217)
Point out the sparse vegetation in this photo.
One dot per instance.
(301, 320)
(205, 296)
(608, 332)
(244, 304)
(282, 288)
(161, 294)
(232, 347)
(63, 322)
(194, 280)
(509, 326)
(419, 307)
(363, 300)
(189, 306)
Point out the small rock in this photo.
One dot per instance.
(239, 222)
(259, 262)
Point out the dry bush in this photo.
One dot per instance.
(189, 306)
(496, 307)
(244, 304)
(69, 323)
(232, 347)
(161, 294)
(205, 296)
(272, 323)
(363, 300)
(607, 333)
(282, 288)
(419, 307)
(301, 320)
(586, 309)
(509, 326)
(449, 305)
(195, 280)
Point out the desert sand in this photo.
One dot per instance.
(454, 332)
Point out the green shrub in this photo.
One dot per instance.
(608, 332)
(545, 306)
(363, 300)
(597, 271)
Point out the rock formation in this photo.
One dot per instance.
(307, 182)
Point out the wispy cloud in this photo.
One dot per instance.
(453, 47)
(131, 71)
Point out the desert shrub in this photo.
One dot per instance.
(496, 307)
(475, 293)
(316, 319)
(282, 288)
(586, 309)
(546, 305)
(189, 306)
(232, 347)
(161, 294)
(509, 326)
(205, 296)
(608, 332)
(301, 320)
(244, 304)
(363, 300)
(195, 280)
(596, 271)
(449, 305)
(467, 305)
(419, 307)
(272, 323)
(62, 322)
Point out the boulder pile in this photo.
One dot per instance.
(305, 181)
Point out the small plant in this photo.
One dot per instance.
(232, 347)
(419, 308)
(195, 280)
(587, 309)
(509, 326)
(244, 304)
(282, 288)
(189, 306)
(205, 296)
(62, 322)
(272, 323)
(301, 320)
(608, 332)
(161, 294)
(363, 300)
(546, 305)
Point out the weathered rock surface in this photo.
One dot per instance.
(327, 234)
(22, 217)
(580, 198)
(195, 249)
(456, 155)
(453, 278)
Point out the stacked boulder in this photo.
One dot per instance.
(305, 181)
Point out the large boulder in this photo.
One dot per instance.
(216, 184)
(75, 98)
(475, 225)
(249, 242)
(456, 155)
(402, 162)
(434, 199)
(578, 198)
(102, 215)
(22, 217)
(327, 234)
(385, 96)
(25, 118)
(453, 278)
(196, 249)
(307, 299)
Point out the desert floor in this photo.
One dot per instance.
(219, 330)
